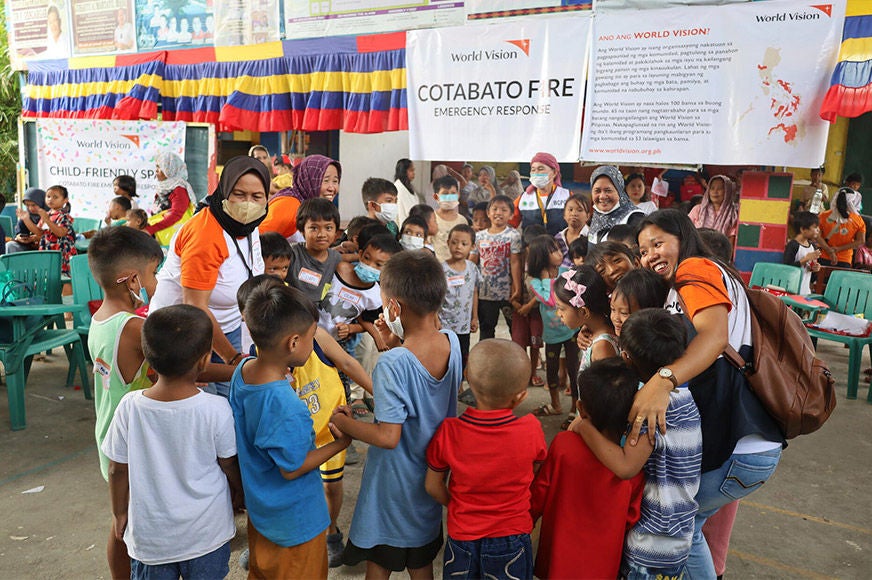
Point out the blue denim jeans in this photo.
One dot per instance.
(207, 567)
(739, 476)
(223, 389)
(506, 557)
(635, 572)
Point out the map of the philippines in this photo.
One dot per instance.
(784, 103)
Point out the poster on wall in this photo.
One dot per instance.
(37, 30)
(485, 9)
(100, 27)
(86, 155)
(174, 24)
(313, 18)
(243, 22)
(497, 91)
(725, 85)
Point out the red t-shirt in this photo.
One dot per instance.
(586, 511)
(491, 456)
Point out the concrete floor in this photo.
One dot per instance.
(812, 520)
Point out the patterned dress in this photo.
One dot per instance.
(66, 244)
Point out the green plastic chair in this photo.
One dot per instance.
(781, 275)
(85, 289)
(8, 226)
(82, 225)
(41, 273)
(849, 293)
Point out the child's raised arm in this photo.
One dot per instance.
(342, 360)
(119, 492)
(436, 485)
(626, 461)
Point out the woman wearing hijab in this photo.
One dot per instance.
(175, 199)
(315, 176)
(512, 186)
(719, 208)
(487, 187)
(543, 201)
(611, 204)
(215, 252)
(24, 240)
(407, 197)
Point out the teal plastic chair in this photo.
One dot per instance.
(849, 293)
(8, 226)
(82, 225)
(40, 272)
(85, 289)
(781, 275)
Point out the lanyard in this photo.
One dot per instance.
(543, 208)
(242, 257)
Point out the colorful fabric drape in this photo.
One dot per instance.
(357, 84)
(850, 92)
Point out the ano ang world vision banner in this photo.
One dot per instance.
(85, 156)
(500, 92)
(726, 85)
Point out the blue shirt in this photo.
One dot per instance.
(393, 508)
(274, 431)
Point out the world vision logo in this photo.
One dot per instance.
(494, 54)
(132, 138)
(798, 15)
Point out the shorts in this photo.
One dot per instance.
(333, 469)
(269, 560)
(215, 564)
(392, 558)
(527, 330)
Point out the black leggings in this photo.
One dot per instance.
(552, 363)
(489, 315)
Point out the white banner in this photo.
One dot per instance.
(85, 156)
(499, 92)
(726, 85)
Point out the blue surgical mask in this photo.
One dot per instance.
(142, 296)
(366, 273)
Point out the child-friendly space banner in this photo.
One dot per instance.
(726, 85)
(497, 91)
(85, 156)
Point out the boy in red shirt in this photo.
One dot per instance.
(488, 497)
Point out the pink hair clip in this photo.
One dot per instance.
(578, 289)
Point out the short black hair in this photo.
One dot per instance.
(122, 202)
(247, 287)
(501, 199)
(317, 209)
(126, 183)
(578, 248)
(358, 223)
(606, 390)
(274, 312)
(371, 231)
(385, 243)
(414, 220)
(421, 210)
(804, 219)
(480, 206)
(273, 245)
(138, 213)
(416, 279)
(854, 177)
(644, 288)
(718, 243)
(532, 232)
(374, 187)
(653, 338)
(444, 182)
(604, 250)
(60, 189)
(113, 250)
(596, 294)
(623, 234)
(175, 338)
(539, 255)
(462, 229)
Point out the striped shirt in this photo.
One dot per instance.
(663, 534)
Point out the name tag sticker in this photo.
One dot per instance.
(455, 281)
(309, 277)
(102, 369)
(348, 295)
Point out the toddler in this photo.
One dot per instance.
(117, 212)
(480, 221)
(578, 252)
(428, 214)
(137, 219)
(55, 227)
(459, 313)
(413, 233)
(488, 494)
(276, 252)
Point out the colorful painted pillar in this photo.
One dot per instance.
(764, 209)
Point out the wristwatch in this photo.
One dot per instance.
(667, 374)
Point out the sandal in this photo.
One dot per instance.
(569, 419)
(358, 409)
(537, 381)
(547, 410)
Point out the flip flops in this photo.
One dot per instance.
(547, 410)
(537, 381)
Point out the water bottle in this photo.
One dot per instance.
(817, 202)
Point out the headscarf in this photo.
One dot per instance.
(550, 161)
(514, 190)
(602, 223)
(37, 196)
(176, 176)
(480, 194)
(233, 171)
(308, 176)
(723, 219)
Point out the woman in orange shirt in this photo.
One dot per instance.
(842, 231)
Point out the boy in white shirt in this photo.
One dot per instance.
(180, 523)
(447, 216)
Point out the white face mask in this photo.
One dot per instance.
(449, 201)
(411, 242)
(244, 212)
(388, 212)
(540, 180)
(395, 325)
